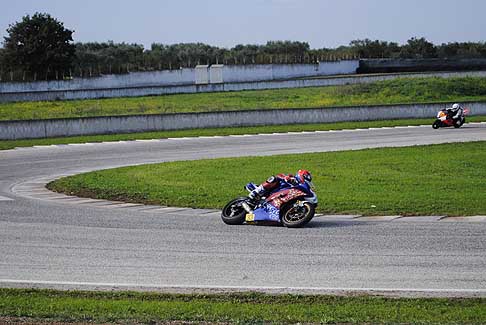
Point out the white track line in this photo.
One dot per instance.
(277, 289)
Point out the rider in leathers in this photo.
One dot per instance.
(455, 112)
(274, 181)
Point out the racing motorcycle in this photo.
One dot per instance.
(290, 205)
(445, 120)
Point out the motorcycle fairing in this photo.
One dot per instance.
(267, 212)
(270, 210)
(284, 196)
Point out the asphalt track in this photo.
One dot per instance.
(53, 241)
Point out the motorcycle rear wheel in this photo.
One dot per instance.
(459, 123)
(297, 214)
(233, 213)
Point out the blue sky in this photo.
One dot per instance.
(324, 23)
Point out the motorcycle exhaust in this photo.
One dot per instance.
(246, 207)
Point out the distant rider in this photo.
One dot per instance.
(276, 181)
(455, 112)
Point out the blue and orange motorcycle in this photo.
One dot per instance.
(290, 205)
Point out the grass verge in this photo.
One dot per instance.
(418, 180)
(10, 144)
(252, 308)
(397, 91)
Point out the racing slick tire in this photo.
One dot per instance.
(436, 125)
(297, 213)
(233, 213)
(459, 123)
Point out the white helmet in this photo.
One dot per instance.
(456, 106)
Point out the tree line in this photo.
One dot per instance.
(40, 47)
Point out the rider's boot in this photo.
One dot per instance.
(256, 194)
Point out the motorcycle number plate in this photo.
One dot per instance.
(250, 217)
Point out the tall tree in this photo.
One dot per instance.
(418, 48)
(39, 45)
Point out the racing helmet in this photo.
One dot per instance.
(456, 107)
(303, 175)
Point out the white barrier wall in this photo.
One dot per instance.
(216, 74)
(202, 74)
(261, 72)
(219, 87)
(245, 73)
(133, 79)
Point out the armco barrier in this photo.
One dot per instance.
(236, 86)
(11, 130)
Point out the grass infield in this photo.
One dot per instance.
(397, 91)
(419, 180)
(249, 308)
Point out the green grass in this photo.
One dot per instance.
(247, 308)
(418, 180)
(10, 144)
(403, 90)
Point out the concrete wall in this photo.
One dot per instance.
(134, 79)
(141, 123)
(164, 90)
(216, 74)
(200, 75)
(411, 65)
(261, 72)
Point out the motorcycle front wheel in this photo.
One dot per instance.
(436, 125)
(233, 213)
(297, 213)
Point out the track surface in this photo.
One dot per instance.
(70, 244)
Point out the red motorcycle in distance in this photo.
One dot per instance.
(444, 119)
